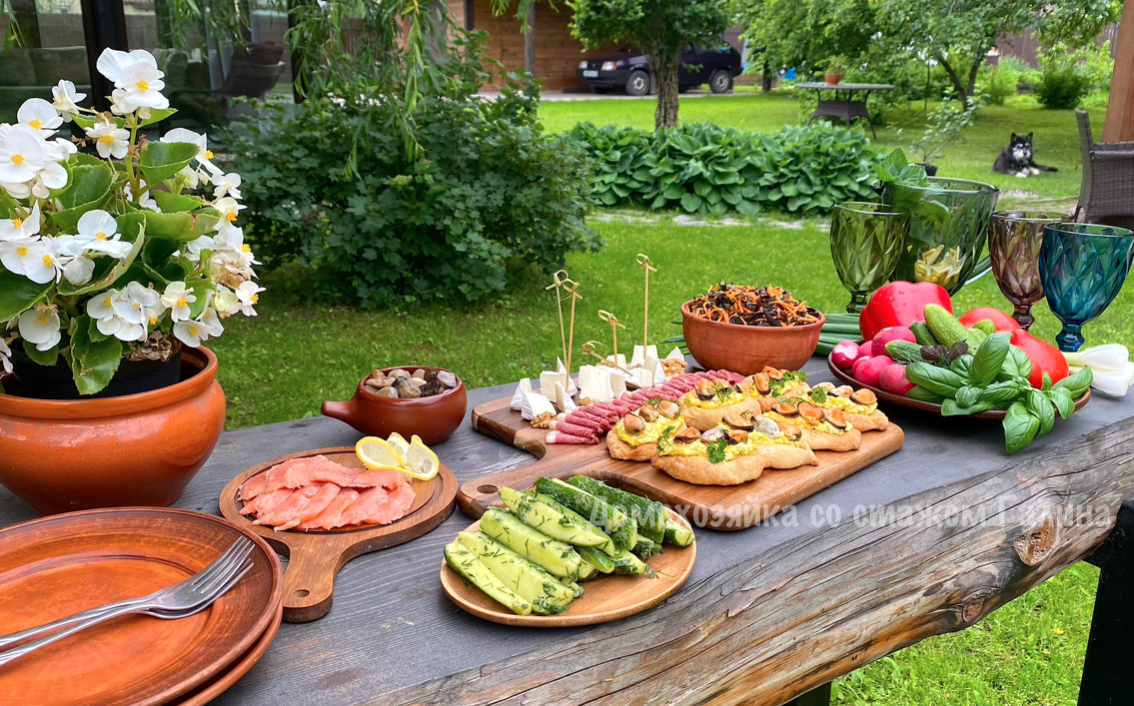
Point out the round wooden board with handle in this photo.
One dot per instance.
(612, 597)
(315, 557)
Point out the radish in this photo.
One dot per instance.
(869, 370)
(893, 333)
(844, 354)
(865, 350)
(893, 379)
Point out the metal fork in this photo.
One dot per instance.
(231, 559)
(189, 601)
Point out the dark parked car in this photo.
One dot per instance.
(627, 69)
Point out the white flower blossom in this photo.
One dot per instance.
(20, 228)
(142, 84)
(110, 140)
(193, 333)
(113, 63)
(204, 154)
(66, 100)
(137, 304)
(78, 267)
(34, 258)
(98, 231)
(40, 327)
(226, 184)
(249, 295)
(177, 298)
(194, 248)
(5, 356)
(22, 155)
(40, 116)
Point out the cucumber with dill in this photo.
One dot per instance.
(550, 520)
(677, 533)
(616, 523)
(475, 572)
(601, 561)
(627, 563)
(558, 558)
(649, 515)
(646, 548)
(531, 582)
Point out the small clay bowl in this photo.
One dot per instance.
(748, 349)
(434, 419)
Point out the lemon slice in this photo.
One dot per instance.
(377, 453)
(421, 463)
(399, 443)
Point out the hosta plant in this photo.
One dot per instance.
(114, 247)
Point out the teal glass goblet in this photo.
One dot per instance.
(866, 241)
(1083, 267)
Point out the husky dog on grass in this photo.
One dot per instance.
(1016, 159)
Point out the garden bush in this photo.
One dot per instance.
(1062, 87)
(492, 198)
(997, 84)
(704, 168)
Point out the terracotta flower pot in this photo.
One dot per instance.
(833, 79)
(59, 456)
(434, 419)
(747, 349)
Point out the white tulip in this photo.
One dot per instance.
(40, 326)
(226, 184)
(22, 155)
(20, 228)
(177, 298)
(5, 356)
(40, 116)
(110, 140)
(66, 100)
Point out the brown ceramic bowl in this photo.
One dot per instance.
(748, 349)
(434, 419)
(143, 449)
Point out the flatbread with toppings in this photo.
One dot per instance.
(821, 429)
(635, 436)
(782, 449)
(771, 384)
(859, 407)
(707, 404)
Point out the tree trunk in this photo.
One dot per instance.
(958, 86)
(766, 78)
(663, 73)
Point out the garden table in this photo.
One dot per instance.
(845, 109)
(927, 541)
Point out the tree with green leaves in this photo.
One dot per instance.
(659, 28)
(805, 34)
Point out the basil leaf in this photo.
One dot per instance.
(951, 408)
(924, 395)
(999, 394)
(1043, 409)
(936, 380)
(1046, 383)
(968, 395)
(962, 366)
(1016, 365)
(1077, 384)
(1064, 403)
(1020, 427)
(989, 358)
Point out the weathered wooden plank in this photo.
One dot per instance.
(767, 612)
(1119, 126)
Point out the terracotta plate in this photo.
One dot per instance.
(57, 566)
(932, 408)
(315, 557)
(611, 597)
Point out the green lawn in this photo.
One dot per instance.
(284, 363)
(1056, 134)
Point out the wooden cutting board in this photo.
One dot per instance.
(315, 557)
(715, 507)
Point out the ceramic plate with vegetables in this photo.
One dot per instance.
(918, 354)
(567, 553)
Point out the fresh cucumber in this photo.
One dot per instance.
(627, 563)
(904, 351)
(558, 558)
(944, 326)
(646, 548)
(620, 526)
(573, 586)
(677, 533)
(475, 572)
(649, 515)
(528, 580)
(550, 520)
(922, 333)
(986, 326)
(601, 561)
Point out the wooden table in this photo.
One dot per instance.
(957, 529)
(846, 109)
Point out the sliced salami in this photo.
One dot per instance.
(557, 437)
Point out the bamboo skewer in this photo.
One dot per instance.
(575, 296)
(614, 326)
(557, 284)
(644, 261)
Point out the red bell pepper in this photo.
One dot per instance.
(1045, 358)
(900, 304)
(1003, 322)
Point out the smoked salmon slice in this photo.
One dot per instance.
(266, 502)
(301, 472)
(332, 516)
(313, 507)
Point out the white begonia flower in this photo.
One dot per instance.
(60, 149)
(204, 155)
(194, 248)
(110, 140)
(177, 298)
(113, 63)
(40, 116)
(20, 228)
(227, 268)
(65, 100)
(142, 84)
(137, 304)
(101, 308)
(40, 326)
(189, 174)
(34, 258)
(225, 301)
(249, 295)
(47, 267)
(22, 155)
(193, 333)
(17, 191)
(98, 231)
(5, 356)
(77, 267)
(226, 184)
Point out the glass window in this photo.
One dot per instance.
(43, 42)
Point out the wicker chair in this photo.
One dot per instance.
(1107, 194)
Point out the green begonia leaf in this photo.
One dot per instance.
(18, 294)
(161, 160)
(93, 363)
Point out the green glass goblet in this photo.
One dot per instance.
(866, 241)
(1014, 240)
